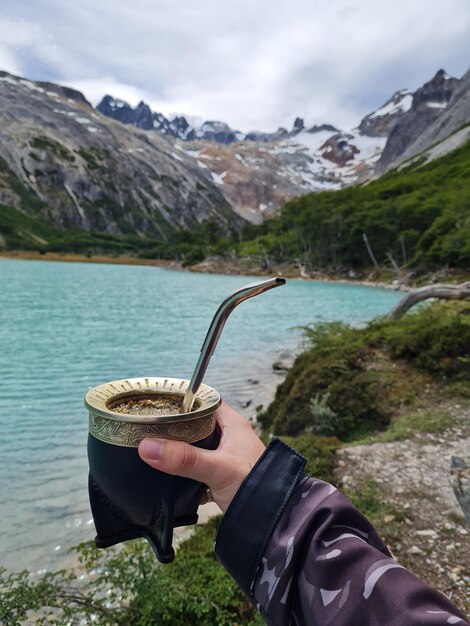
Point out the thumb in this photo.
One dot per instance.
(178, 458)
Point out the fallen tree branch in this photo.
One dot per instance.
(440, 291)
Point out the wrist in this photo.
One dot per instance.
(255, 509)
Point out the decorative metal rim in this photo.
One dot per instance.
(98, 399)
(129, 434)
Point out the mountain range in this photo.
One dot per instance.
(122, 170)
(258, 171)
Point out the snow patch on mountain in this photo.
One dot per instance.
(436, 105)
(117, 104)
(218, 178)
(401, 102)
(256, 178)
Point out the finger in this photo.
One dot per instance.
(178, 458)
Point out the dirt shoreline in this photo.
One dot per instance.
(245, 267)
(226, 268)
(82, 258)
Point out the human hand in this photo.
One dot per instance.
(222, 470)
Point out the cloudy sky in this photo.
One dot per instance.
(255, 65)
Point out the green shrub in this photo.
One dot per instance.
(357, 394)
(126, 586)
(435, 339)
(319, 452)
(325, 420)
(360, 377)
(193, 256)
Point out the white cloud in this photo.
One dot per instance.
(253, 65)
(13, 35)
(20, 39)
(8, 61)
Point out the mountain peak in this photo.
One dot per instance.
(436, 93)
(410, 135)
(298, 125)
(117, 109)
(379, 123)
(218, 131)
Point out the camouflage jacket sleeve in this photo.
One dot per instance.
(304, 555)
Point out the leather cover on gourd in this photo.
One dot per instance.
(130, 499)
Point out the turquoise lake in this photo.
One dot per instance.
(66, 327)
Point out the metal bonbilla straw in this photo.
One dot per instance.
(215, 330)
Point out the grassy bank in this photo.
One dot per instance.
(354, 382)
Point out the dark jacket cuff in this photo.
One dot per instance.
(256, 508)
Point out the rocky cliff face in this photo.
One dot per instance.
(74, 168)
(429, 105)
(380, 122)
(448, 131)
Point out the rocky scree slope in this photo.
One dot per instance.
(257, 178)
(413, 476)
